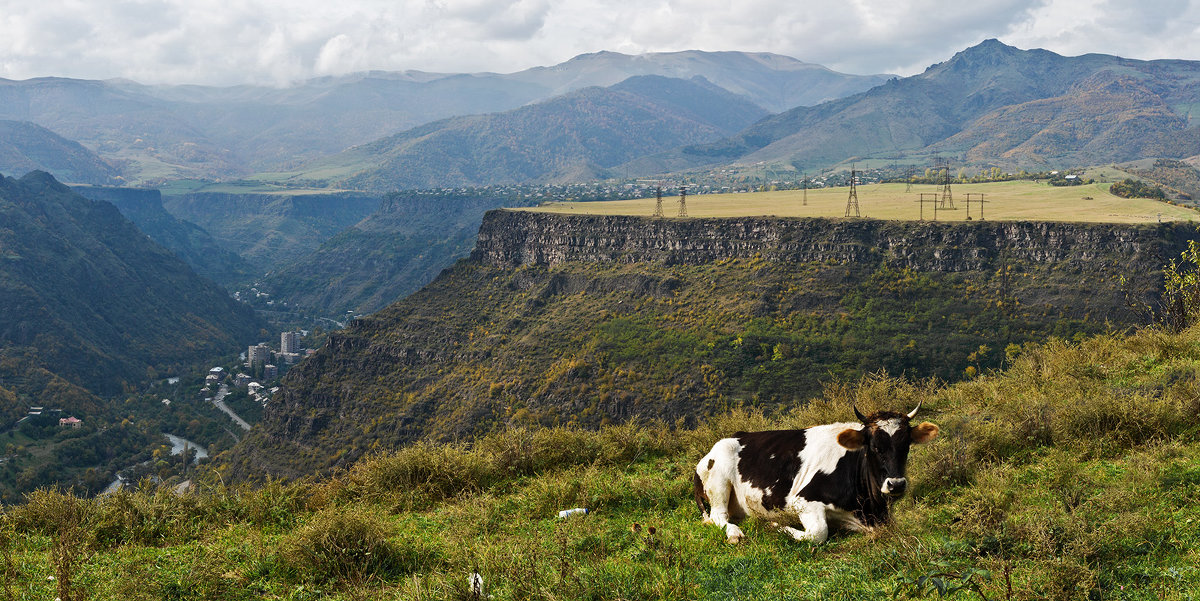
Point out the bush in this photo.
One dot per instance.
(349, 545)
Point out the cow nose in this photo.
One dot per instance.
(895, 486)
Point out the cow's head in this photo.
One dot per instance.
(885, 438)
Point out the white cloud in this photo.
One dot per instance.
(281, 41)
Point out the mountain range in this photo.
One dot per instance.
(569, 138)
(991, 104)
(170, 132)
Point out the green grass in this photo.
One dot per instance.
(1008, 201)
(1075, 474)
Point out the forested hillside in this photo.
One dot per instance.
(93, 301)
(187, 240)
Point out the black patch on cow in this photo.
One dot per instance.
(853, 486)
(770, 461)
(711, 462)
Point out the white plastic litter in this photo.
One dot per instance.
(566, 513)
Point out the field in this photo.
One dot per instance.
(1009, 201)
(246, 186)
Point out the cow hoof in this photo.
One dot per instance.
(734, 539)
(707, 521)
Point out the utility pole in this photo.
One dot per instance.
(683, 201)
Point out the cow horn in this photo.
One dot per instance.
(860, 416)
(913, 413)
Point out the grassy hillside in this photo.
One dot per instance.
(1009, 201)
(1070, 475)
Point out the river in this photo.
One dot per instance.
(178, 444)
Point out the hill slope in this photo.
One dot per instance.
(90, 298)
(1070, 475)
(389, 254)
(187, 240)
(569, 138)
(989, 104)
(270, 230)
(591, 320)
(26, 147)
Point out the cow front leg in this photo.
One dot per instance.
(718, 514)
(812, 518)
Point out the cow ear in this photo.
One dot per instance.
(925, 432)
(852, 439)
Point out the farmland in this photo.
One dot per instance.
(1009, 201)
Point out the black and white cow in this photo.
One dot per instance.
(846, 473)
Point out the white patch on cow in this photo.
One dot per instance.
(821, 453)
(718, 473)
(891, 426)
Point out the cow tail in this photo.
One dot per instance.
(698, 494)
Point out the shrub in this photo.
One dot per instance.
(349, 545)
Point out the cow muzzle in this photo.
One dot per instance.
(895, 486)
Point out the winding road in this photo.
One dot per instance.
(219, 401)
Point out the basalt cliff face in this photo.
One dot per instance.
(588, 320)
(514, 238)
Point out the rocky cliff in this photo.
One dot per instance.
(516, 238)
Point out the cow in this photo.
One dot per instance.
(846, 473)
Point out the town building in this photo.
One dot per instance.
(259, 353)
(72, 422)
(289, 342)
(270, 372)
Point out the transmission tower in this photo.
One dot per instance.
(683, 201)
(908, 175)
(658, 212)
(852, 201)
(805, 185)
(947, 199)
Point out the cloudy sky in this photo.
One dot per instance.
(277, 42)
